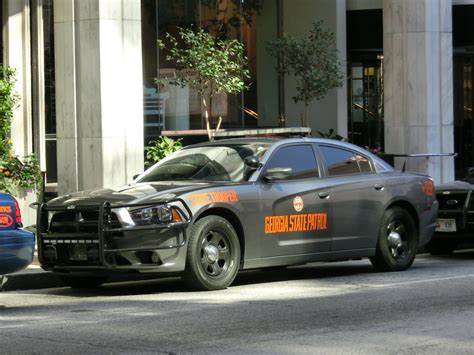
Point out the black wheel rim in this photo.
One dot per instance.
(215, 253)
(398, 240)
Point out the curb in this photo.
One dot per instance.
(31, 278)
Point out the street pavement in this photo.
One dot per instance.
(343, 307)
(33, 277)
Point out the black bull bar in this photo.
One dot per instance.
(104, 226)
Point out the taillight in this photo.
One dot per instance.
(427, 187)
(17, 212)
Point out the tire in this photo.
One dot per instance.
(441, 247)
(397, 241)
(213, 254)
(84, 282)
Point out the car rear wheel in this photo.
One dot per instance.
(441, 247)
(83, 281)
(397, 242)
(213, 255)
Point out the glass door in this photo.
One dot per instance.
(463, 120)
(366, 127)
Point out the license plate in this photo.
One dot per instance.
(445, 225)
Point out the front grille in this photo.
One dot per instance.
(455, 200)
(78, 221)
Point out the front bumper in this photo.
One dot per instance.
(16, 250)
(111, 248)
(462, 213)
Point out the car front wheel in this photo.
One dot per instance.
(397, 242)
(213, 255)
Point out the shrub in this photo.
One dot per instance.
(157, 150)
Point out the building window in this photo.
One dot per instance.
(463, 70)
(175, 108)
(365, 79)
(49, 92)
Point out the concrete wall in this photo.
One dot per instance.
(330, 112)
(267, 78)
(364, 4)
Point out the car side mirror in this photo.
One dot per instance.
(253, 162)
(278, 174)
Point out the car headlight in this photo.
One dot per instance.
(155, 215)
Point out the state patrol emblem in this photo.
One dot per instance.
(298, 203)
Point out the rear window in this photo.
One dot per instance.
(342, 161)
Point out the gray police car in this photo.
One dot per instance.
(212, 209)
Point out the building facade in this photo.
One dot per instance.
(87, 76)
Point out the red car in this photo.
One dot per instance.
(16, 245)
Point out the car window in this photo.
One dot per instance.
(215, 163)
(300, 158)
(363, 162)
(341, 161)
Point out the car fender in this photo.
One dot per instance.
(16, 250)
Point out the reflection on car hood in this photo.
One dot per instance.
(455, 185)
(133, 193)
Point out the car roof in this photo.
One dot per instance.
(276, 139)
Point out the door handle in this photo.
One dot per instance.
(378, 187)
(323, 194)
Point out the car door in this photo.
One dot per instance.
(296, 211)
(357, 197)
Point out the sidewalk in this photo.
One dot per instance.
(33, 277)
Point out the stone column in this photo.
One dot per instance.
(99, 92)
(17, 55)
(418, 88)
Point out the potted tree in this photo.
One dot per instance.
(206, 64)
(312, 60)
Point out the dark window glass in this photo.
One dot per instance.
(50, 92)
(300, 158)
(364, 29)
(341, 161)
(463, 26)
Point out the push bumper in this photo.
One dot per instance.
(156, 248)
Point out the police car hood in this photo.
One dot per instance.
(134, 193)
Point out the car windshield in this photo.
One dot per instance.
(216, 163)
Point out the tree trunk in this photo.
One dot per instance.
(206, 116)
(306, 112)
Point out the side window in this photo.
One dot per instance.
(300, 158)
(341, 161)
(364, 165)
